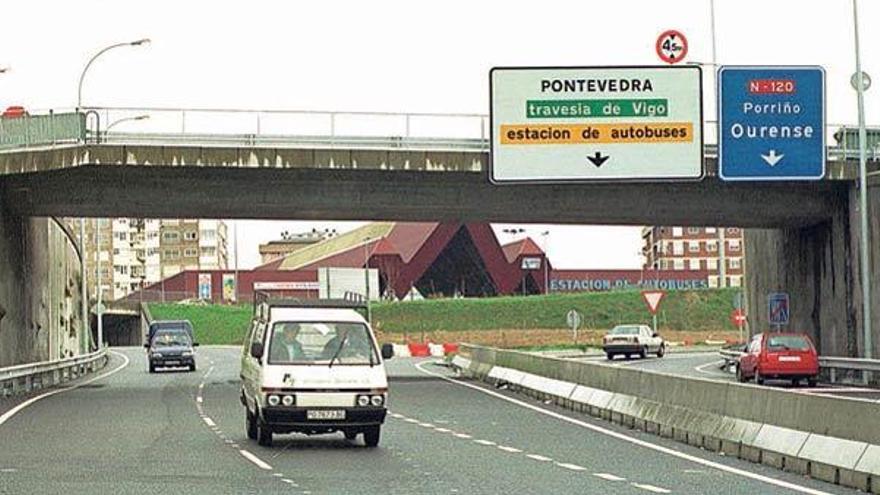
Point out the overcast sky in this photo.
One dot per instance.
(406, 56)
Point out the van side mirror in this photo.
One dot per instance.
(195, 344)
(146, 346)
(257, 350)
(655, 335)
(387, 351)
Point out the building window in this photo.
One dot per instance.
(189, 253)
(115, 251)
(693, 230)
(121, 269)
(209, 251)
(152, 251)
(678, 264)
(735, 281)
(694, 264)
(713, 281)
(172, 254)
(152, 235)
(733, 245)
(735, 263)
(120, 236)
(208, 235)
(170, 236)
(190, 235)
(711, 230)
(676, 231)
(693, 247)
(733, 231)
(712, 246)
(712, 264)
(677, 248)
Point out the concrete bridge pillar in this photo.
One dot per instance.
(818, 266)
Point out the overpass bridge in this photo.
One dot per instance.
(801, 237)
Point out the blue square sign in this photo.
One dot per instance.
(771, 123)
(778, 308)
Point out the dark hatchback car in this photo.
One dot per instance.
(170, 345)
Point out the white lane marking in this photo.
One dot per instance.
(650, 488)
(538, 457)
(255, 460)
(8, 470)
(632, 440)
(410, 420)
(608, 477)
(713, 363)
(426, 425)
(288, 481)
(199, 399)
(206, 375)
(12, 412)
(463, 435)
(278, 475)
(573, 467)
(442, 430)
(512, 450)
(485, 442)
(397, 416)
(210, 422)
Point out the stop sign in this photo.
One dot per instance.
(738, 317)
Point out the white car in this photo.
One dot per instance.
(632, 340)
(313, 367)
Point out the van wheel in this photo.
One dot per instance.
(758, 378)
(661, 351)
(192, 367)
(264, 434)
(609, 356)
(371, 436)
(644, 352)
(350, 434)
(250, 424)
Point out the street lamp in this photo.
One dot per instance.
(863, 196)
(127, 119)
(546, 242)
(82, 76)
(82, 227)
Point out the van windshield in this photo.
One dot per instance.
(171, 338)
(788, 342)
(318, 343)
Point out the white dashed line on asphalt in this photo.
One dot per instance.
(426, 425)
(512, 450)
(8, 470)
(410, 420)
(573, 467)
(650, 488)
(442, 430)
(485, 442)
(537, 457)
(255, 460)
(608, 477)
(463, 435)
(210, 422)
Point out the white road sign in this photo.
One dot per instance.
(596, 123)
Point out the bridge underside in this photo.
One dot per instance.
(405, 195)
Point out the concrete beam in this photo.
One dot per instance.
(406, 195)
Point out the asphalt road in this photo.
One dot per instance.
(133, 432)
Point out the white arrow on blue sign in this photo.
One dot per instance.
(771, 123)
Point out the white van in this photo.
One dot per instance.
(312, 367)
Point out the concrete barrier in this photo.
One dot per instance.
(830, 438)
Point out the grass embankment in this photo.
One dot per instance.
(684, 315)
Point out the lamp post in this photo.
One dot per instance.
(863, 196)
(127, 119)
(546, 242)
(82, 233)
(367, 276)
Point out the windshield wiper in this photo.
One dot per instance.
(339, 350)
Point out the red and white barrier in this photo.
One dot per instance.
(424, 350)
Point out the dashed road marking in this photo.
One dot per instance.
(255, 460)
(199, 399)
(210, 422)
(573, 467)
(512, 450)
(650, 488)
(8, 470)
(426, 425)
(485, 442)
(608, 477)
(463, 435)
(410, 420)
(442, 430)
(539, 457)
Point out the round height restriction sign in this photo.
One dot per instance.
(671, 46)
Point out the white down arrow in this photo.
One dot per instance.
(772, 158)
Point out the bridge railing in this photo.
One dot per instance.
(24, 378)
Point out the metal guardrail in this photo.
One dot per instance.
(23, 378)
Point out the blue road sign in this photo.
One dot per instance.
(778, 309)
(771, 123)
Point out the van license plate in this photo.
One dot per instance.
(789, 358)
(326, 414)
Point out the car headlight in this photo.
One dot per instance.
(155, 354)
(377, 400)
(288, 400)
(187, 353)
(363, 400)
(273, 400)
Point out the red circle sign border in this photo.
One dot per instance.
(659, 43)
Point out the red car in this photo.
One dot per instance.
(785, 356)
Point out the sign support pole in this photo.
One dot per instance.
(863, 199)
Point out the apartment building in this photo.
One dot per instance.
(274, 250)
(135, 251)
(696, 248)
